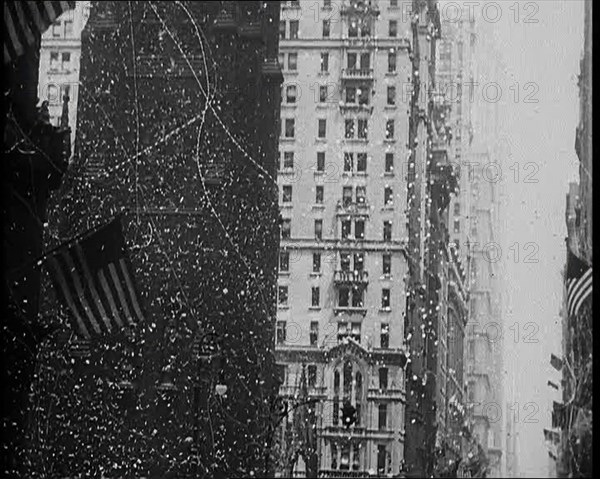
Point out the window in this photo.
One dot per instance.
(359, 261)
(281, 373)
(326, 28)
(346, 227)
(312, 375)
(382, 416)
(393, 30)
(361, 195)
(387, 264)
(284, 261)
(294, 24)
(322, 128)
(315, 293)
(363, 95)
(281, 330)
(326, 3)
(387, 230)
(348, 161)
(335, 420)
(281, 58)
(290, 93)
(316, 263)
(383, 378)
(392, 61)
(457, 226)
(320, 161)
(362, 129)
(385, 335)
(324, 61)
(356, 450)
(456, 209)
(393, 3)
(385, 298)
(68, 28)
(318, 229)
(388, 196)
(345, 457)
(391, 95)
(288, 160)
(292, 61)
(350, 94)
(323, 93)
(286, 228)
(314, 333)
(365, 61)
(343, 300)
(359, 229)
(352, 57)
(361, 162)
(287, 194)
(345, 261)
(53, 60)
(389, 130)
(53, 97)
(282, 30)
(282, 294)
(319, 195)
(56, 29)
(290, 128)
(389, 162)
(349, 128)
(353, 28)
(346, 195)
(381, 459)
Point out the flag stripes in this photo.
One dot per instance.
(102, 298)
(25, 21)
(578, 290)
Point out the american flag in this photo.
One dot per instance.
(579, 283)
(93, 278)
(24, 23)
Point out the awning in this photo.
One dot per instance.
(24, 23)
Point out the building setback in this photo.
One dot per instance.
(341, 295)
(179, 136)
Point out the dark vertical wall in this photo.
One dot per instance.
(201, 220)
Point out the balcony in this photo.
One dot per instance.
(357, 74)
(345, 208)
(350, 310)
(360, 7)
(351, 277)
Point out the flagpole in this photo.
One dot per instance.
(37, 262)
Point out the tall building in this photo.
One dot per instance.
(341, 296)
(179, 137)
(60, 57)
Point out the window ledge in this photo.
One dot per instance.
(389, 174)
(323, 74)
(284, 273)
(390, 107)
(389, 141)
(388, 208)
(283, 306)
(386, 277)
(385, 310)
(286, 205)
(314, 308)
(315, 274)
(289, 105)
(318, 206)
(287, 139)
(320, 140)
(391, 74)
(291, 72)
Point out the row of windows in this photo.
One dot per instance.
(350, 165)
(345, 330)
(345, 262)
(347, 230)
(347, 297)
(347, 455)
(348, 197)
(291, 29)
(60, 61)
(353, 129)
(352, 95)
(62, 29)
(353, 62)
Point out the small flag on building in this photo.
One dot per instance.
(579, 283)
(556, 362)
(24, 23)
(93, 278)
